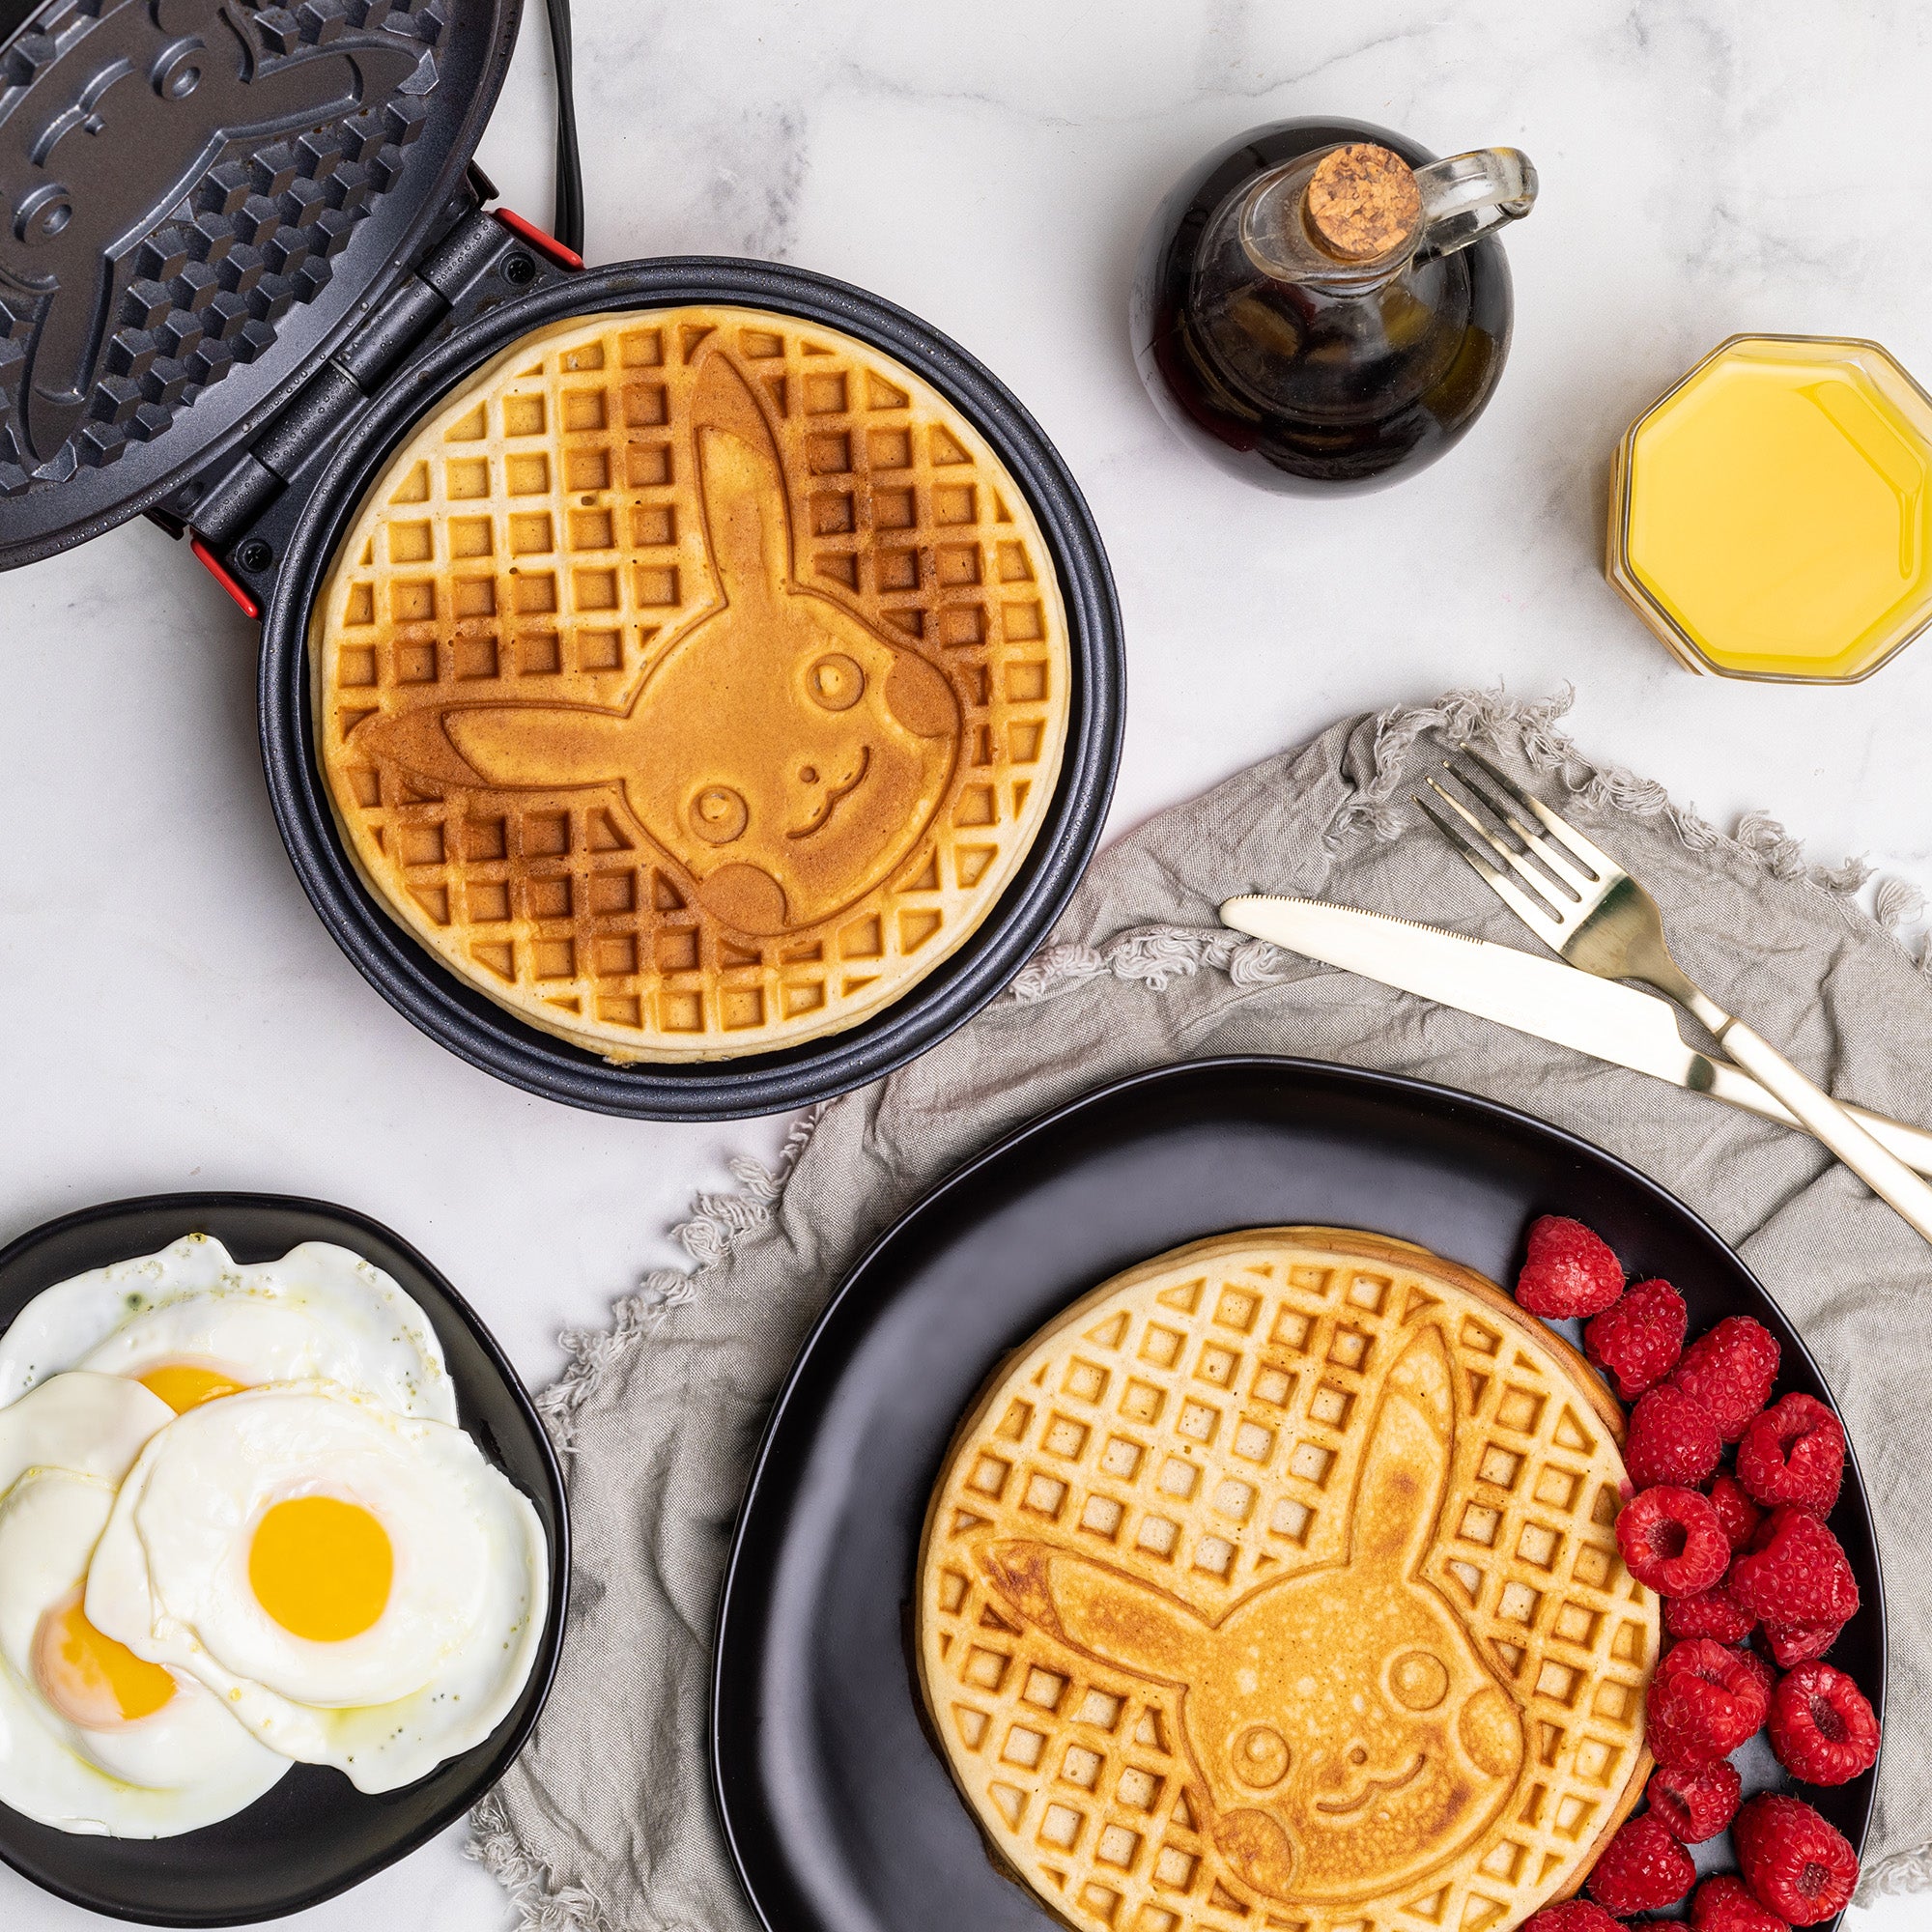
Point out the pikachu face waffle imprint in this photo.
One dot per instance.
(1274, 1585)
(693, 682)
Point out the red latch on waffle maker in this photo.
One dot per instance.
(221, 574)
(544, 244)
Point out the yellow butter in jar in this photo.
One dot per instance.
(1769, 515)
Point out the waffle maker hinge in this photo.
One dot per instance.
(481, 258)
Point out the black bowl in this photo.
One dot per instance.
(314, 1835)
(304, 534)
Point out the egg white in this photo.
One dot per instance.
(319, 1313)
(93, 1424)
(62, 1450)
(455, 1643)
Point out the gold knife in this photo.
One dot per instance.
(1542, 997)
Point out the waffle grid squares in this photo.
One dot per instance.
(1197, 1435)
(541, 538)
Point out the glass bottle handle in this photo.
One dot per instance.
(1465, 196)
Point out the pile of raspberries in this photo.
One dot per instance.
(1734, 1553)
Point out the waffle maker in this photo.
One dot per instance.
(243, 248)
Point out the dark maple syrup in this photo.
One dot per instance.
(1296, 385)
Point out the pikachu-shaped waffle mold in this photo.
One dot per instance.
(1275, 1584)
(692, 683)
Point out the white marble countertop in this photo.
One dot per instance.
(174, 1016)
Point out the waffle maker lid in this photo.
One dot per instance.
(199, 200)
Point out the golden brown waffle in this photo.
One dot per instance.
(1274, 1585)
(690, 681)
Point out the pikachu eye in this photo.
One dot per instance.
(719, 814)
(835, 681)
(1418, 1681)
(1260, 1757)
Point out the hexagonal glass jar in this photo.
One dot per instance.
(1771, 514)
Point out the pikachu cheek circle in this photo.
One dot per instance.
(1490, 1731)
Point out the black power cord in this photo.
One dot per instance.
(568, 226)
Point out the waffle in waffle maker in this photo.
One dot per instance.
(246, 265)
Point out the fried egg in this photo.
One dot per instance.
(360, 1588)
(94, 1739)
(193, 1325)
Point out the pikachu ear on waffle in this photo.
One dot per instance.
(692, 683)
(1277, 1578)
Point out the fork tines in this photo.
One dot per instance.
(1565, 875)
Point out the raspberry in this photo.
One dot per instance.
(1736, 1511)
(1794, 1573)
(1766, 1676)
(1795, 1863)
(1822, 1725)
(1639, 1339)
(1703, 1702)
(1792, 1644)
(1672, 1439)
(1714, 1612)
(1670, 1541)
(1568, 1270)
(1572, 1914)
(1730, 1371)
(1696, 1802)
(1794, 1453)
(1641, 1869)
(1723, 1904)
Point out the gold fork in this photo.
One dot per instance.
(1583, 904)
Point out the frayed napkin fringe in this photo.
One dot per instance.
(718, 1223)
(1154, 955)
(1496, 718)
(1902, 1872)
(495, 1847)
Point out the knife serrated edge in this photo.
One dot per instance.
(1362, 912)
(1703, 1074)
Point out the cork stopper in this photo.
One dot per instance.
(1362, 202)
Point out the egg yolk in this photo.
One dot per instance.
(321, 1567)
(185, 1386)
(90, 1679)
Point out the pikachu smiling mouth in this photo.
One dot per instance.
(834, 795)
(1373, 1787)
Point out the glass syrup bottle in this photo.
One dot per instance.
(1320, 305)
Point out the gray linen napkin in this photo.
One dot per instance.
(605, 1820)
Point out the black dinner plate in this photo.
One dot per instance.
(314, 1835)
(840, 1813)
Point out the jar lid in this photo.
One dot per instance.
(197, 200)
